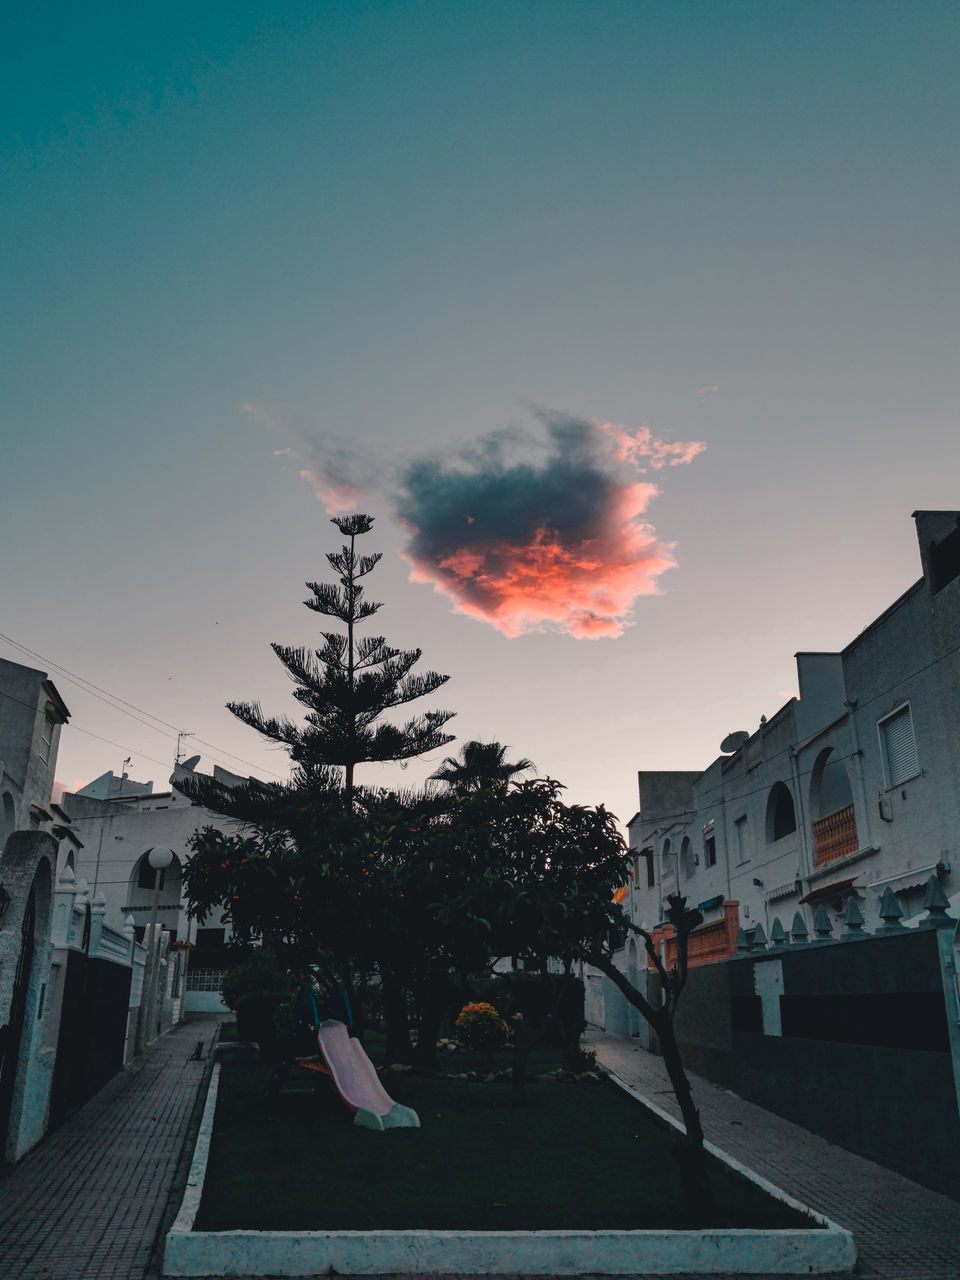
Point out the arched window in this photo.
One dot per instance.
(781, 815)
(687, 858)
(8, 819)
(146, 875)
(829, 785)
(831, 806)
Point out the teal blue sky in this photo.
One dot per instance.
(405, 224)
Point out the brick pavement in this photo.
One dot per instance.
(903, 1231)
(90, 1200)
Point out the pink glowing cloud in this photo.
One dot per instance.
(336, 495)
(339, 474)
(556, 541)
(641, 445)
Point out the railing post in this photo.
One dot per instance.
(823, 925)
(130, 933)
(935, 903)
(891, 913)
(66, 892)
(97, 911)
(78, 916)
(853, 919)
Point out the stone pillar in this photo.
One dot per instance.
(79, 914)
(97, 912)
(130, 933)
(64, 897)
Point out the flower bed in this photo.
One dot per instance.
(403, 1201)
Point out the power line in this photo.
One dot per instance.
(117, 703)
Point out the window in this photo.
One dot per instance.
(687, 860)
(741, 829)
(146, 878)
(898, 747)
(781, 816)
(647, 856)
(211, 937)
(46, 737)
(710, 850)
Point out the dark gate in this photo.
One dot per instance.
(11, 1033)
(93, 1030)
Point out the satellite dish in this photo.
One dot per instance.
(734, 741)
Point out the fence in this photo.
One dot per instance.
(853, 1034)
(205, 979)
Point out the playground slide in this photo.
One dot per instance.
(358, 1083)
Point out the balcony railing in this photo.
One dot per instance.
(835, 835)
(707, 944)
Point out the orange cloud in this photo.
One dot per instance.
(557, 542)
(640, 445)
(336, 495)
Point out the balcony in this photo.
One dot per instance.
(707, 944)
(835, 836)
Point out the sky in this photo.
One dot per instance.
(634, 326)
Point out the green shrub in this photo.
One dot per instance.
(257, 1015)
(553, 1000)
(258, 971)
(481, 1028)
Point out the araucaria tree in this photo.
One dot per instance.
(349, 683)
(308, 879)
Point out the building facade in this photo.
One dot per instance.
(70, 983)
(119, 821)
(32, 714)
(848, 790)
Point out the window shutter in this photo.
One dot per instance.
(900, 747)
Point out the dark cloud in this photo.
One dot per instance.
(531, 530)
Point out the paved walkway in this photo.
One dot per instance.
(91, 1199)
(902, 1230)
(94, 1199)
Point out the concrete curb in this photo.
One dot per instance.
(818, 1251)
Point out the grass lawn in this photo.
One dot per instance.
(579, 1156)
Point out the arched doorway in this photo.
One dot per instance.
(11, 1034)
(26, 870)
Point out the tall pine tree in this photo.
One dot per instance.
(349, 683)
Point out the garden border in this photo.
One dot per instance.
(814, 1251)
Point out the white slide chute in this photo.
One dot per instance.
(357, 1081)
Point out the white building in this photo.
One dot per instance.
(32, 714)
(850, 789)
(119, 821)
(63, 968)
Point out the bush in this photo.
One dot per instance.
(258, 972)
(257, 1016)
(553, 1000)
(481, 1028)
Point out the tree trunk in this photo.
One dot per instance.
(399, 1047)
(690, 1153)
(431, 1007)
(522, 1045)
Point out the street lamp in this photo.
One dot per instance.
(159, 857)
